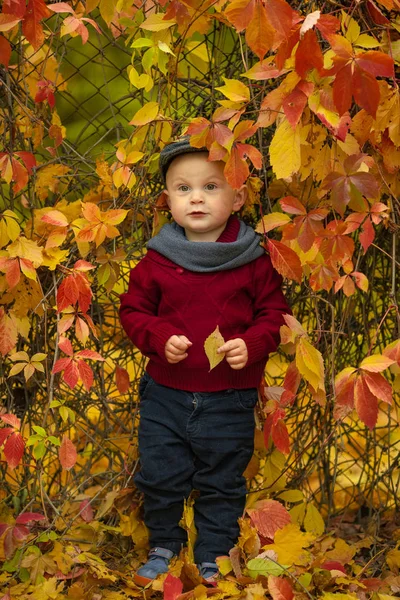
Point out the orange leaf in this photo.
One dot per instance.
(122, 380)
(268, 516)
(379, 387)
(236, 169)
(260, 33)
(67, 453)
(285, 260)
(308, 54)
(279, 588)
(240, 13)
(366, 404)
(32, 29)
(292, 205)
(5, 51)
(8, 333)
(86, 374)
(55, 217)
(7, 22)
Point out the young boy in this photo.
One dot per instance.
(196, 425)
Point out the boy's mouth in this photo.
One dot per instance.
(197, 212)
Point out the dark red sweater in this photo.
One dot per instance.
(164, 299)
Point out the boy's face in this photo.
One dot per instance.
(199, 197)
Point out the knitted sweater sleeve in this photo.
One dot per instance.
(138, 314)
(269, 306)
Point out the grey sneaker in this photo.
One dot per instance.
(157, 563)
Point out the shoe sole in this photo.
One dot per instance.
(141, 581)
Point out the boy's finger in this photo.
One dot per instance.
(183, 338)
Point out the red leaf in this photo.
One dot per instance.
(377, 63)
(376, 14)
(71, 374)
(365, 90)
(89, 354)
(28, 159)
(11, 420)
(65, 345)
(279, 588)
(285, 260)
(4, 433)
(86, 374)
(5, 51)
(333, 565)
(86, 510)
(327, 25)
(240, 13)
(367, 235)
(14, 449)
(28, 517)
(122, 380)
(173, 587)
(308, 54)
(379, 387)
(293, 106)
(14, 7)
(61, 364)
(67, 453)
(366, 404)
(343, 89)
(36, 10)
(268, 516)
(249, 151)
(280, 436)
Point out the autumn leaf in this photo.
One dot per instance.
(211, 345)
(268, 516)
(67, 453)
(290, 543)
(285, 260)
(122, 380)
(310, 364)
(32, 29)
(284, 150)
(280, 588)
(8, 332)
(100, 224)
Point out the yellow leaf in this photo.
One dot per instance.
(187, 523)
(146, 114)
(310, 364)
(235, 90)
(376, 363)
(289, 544)
(155, 22)
(284, 150)
(271, 221)
(24, 248)
(48, 179)
(332, 596)
(9, 227)
(53, 257)
(393, 560)
(211, 345)
(107, 10)
(313, 520)
(341, 552)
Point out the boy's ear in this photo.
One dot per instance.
(240, 197)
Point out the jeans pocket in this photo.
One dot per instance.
(247, 399)
(144, 385)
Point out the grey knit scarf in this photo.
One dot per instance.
(206, 257)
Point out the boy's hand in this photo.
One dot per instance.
(236, 353)
(175, 348)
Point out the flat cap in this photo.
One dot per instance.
(174, 149)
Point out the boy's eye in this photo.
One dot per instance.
(183, 188)
(211, 186)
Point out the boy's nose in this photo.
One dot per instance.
(196, 197)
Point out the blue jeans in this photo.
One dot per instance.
(193, 440)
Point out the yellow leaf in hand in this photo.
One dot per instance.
(211, 345)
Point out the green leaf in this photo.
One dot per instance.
(142, 43)
(39, 451)
(54, 440)
(39, 430)
(264, 566)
